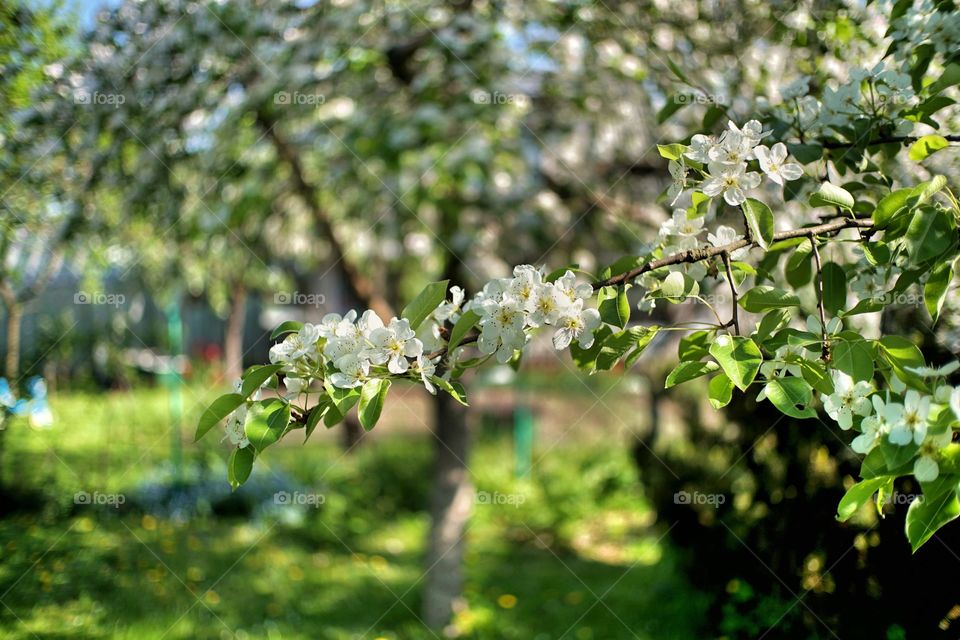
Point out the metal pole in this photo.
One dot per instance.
(171, 379)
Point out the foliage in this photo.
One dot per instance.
(881, 387)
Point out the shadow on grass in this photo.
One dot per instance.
(139, 577)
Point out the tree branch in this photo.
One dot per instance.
(733, 291)
(359, 285)
(705, 253)
(825, 353)
(828, 144)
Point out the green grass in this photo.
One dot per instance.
(582, 556)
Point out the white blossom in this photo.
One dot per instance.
(578, 324)
(393, 344)
(773, 163)
(731, 181)
(913, 423)
(877, 425)
(727, 235)
(353, 371)
(848, 399)
(501, 329)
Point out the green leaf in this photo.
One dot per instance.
(765, 297)
(859, 495)
(890, 205)
(255, 376)
(290, 326)
(806, 153)
(830, 195)
(816, 375)
(265, 429)
(712, 116)
(674, 103)
(613, 306)
(900, 353)
(876, 253)
(760, 221)
(853, 358)
(239, 466)
(644, 335)
(614, 348)
(678, 286)
(622, 265)
(739, 357)
(927, 146)
(924, 190)
(926, 515)
(316, 414)
(467, 320)
(936, 287)
(372, 397)
(799, 268)
(343, 399)
(455, 389)
(686, 371)
(678, 72)
(694, 346)
(333, 416)
(791, 396)
(586, 359)
(949, 78)
(217, 411)
(771, 322)
(929, 234)
(424, 304)
(720, 390)
(671, 151)
(834, 287)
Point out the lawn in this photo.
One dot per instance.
(581, 557)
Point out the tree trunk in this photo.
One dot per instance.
(351, 433)
(451, 504)
(233, 339)
(12, 362)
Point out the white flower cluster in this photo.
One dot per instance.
(905, 417)
(726, 157)
(347, 351)
(357, 349)
(867, 94)
(509, 306)
(923, 24)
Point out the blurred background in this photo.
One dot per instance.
(180, 177)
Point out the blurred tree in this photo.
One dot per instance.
(395, 143)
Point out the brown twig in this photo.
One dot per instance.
(825, 352)
(705, 253)
(733, 292)
(829, 144)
